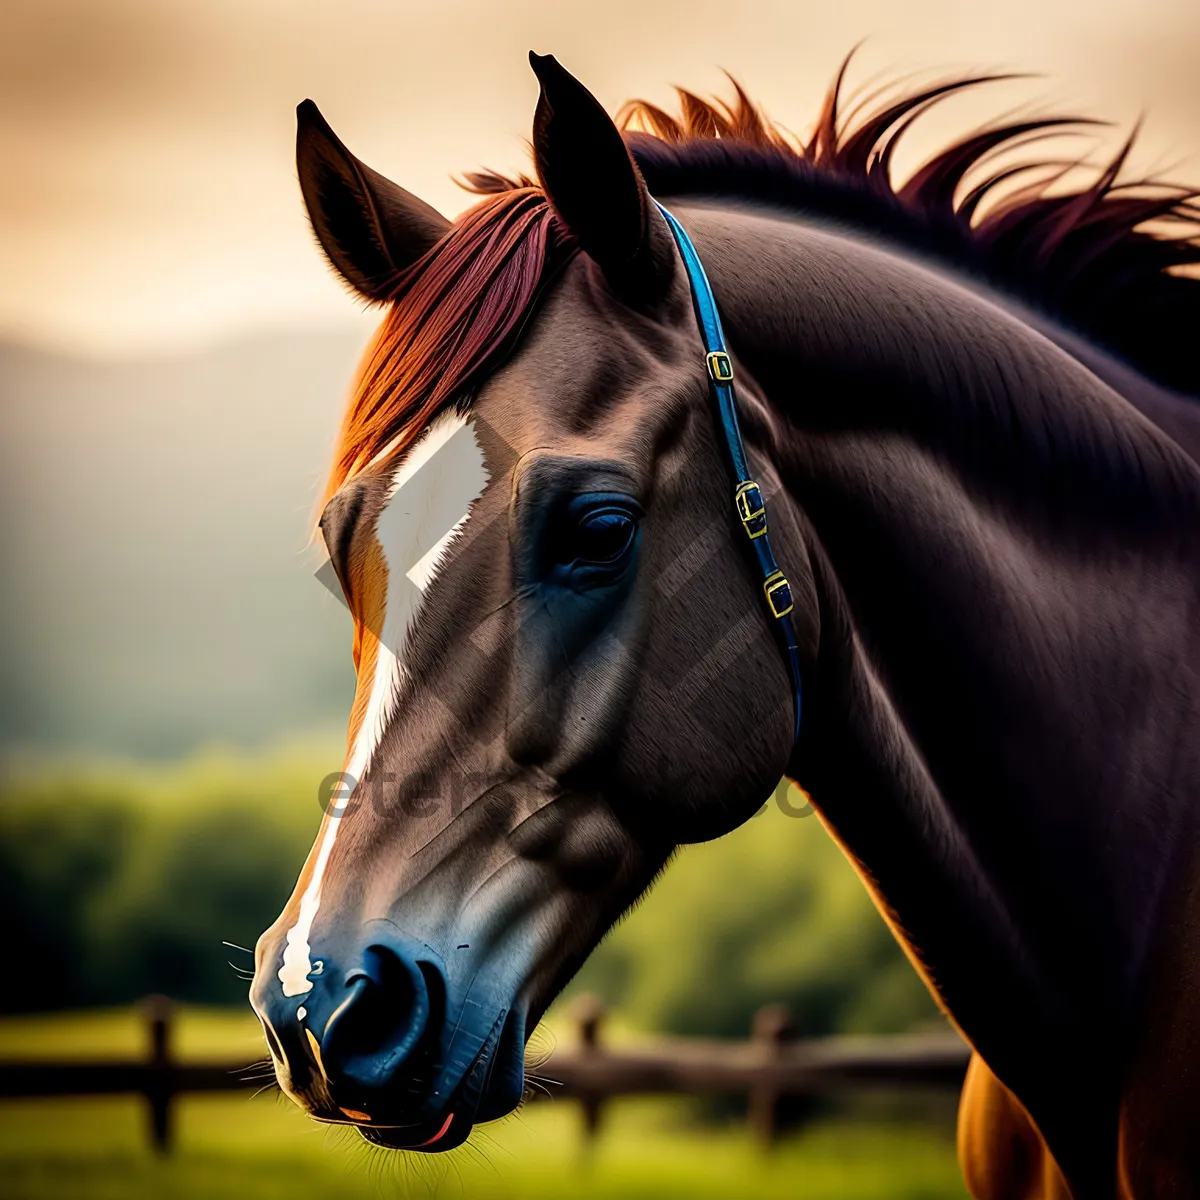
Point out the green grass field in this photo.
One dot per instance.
(255, 1148)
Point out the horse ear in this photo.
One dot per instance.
(369, 228)
(593, 183)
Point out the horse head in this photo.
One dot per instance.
(563, 666)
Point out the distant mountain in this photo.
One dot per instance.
(157, 590)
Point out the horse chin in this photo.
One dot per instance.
(492, 1088)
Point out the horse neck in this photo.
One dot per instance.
(998, 725)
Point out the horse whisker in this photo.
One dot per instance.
(541, 1087)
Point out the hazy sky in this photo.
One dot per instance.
(148, 194)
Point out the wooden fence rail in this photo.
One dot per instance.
(768, 1068)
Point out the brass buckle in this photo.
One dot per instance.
(773, 585)
(751, 507)
(720, 367)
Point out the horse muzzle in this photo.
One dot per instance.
(389, 1041)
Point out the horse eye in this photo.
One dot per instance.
(603, 535)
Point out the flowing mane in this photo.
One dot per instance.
(1086, 256)
(1102, 258)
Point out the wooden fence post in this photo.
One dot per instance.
(159, 1014)
(589, 1015)
(771, 1028)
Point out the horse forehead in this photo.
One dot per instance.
(588, 367)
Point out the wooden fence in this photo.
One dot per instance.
(768, 1068)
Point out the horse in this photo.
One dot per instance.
(969, 403)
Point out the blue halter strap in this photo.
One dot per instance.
(748, 499)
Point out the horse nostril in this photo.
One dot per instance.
(381, 1020)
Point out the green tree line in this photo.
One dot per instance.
(117, 882)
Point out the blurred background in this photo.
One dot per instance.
(174, 355)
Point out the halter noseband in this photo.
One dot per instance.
(747, 495)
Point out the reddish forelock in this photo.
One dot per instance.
(452, 315)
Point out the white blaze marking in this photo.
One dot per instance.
(425, 568)
(428, 501)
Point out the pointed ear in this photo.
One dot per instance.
(369, 228)
(595, 186)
